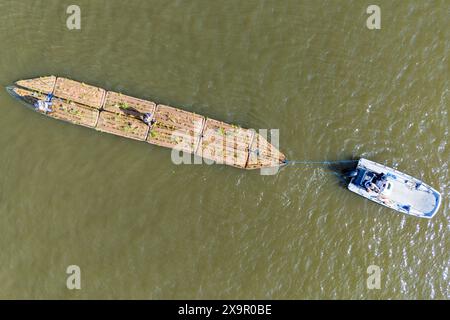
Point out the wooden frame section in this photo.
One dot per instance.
(225, 143)
(79, 92)
(263, 154)
(122, 125)
(43, 85)
(175, 128)
(120, 103)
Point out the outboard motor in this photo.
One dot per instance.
(351, 174)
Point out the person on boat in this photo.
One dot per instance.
(385, 199)
(380, 177)
(44, 105)
(147, 118)
(380, 181)
(372, 187)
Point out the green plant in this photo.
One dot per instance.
(128, 127)
(123, 105)
(74, 111)
(153, 134)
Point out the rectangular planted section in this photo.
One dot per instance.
(122, 125)
(225, 143)
(74, 113)
(42, 84)
(262, 154)
(120, 103)
(79, 92)
(175, 128)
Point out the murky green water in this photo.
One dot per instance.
(141, 227)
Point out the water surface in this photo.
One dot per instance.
(141, 227)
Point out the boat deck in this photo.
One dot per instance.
(419, 200)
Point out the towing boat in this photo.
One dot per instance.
(394, 189)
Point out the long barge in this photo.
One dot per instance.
(158, 124)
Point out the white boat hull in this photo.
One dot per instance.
(406, 194)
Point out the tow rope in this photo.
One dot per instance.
(307, 162)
